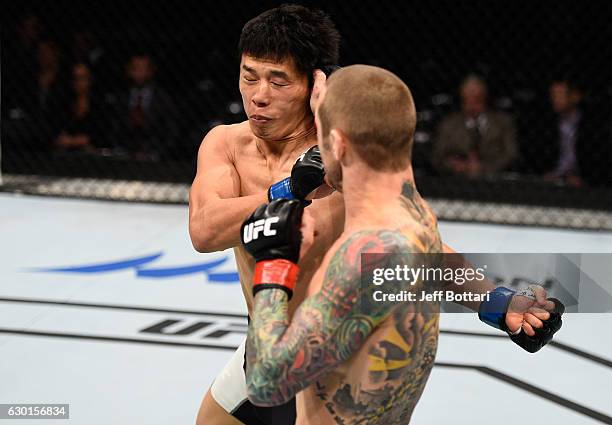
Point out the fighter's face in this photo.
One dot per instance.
(275, 95)
(333, 168)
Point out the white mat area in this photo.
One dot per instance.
(110, 343)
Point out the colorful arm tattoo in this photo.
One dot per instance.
(284, 358)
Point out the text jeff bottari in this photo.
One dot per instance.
(434, 296)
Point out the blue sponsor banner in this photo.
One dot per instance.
(140, 266)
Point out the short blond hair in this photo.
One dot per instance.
(375, 110)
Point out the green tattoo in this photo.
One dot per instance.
(389, 347)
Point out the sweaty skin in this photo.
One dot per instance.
(237, 164)
(346, 358)
(256, 175)
(236, 172)
(236, 167)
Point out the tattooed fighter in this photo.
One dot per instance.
(368, 361)
(345, 357)
(272, 155)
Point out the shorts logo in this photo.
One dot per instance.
(252, 230)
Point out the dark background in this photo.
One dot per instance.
(519, 47)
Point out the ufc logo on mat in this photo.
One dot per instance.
(252, 230)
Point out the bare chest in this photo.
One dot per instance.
(257, 173)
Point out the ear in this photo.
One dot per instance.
(338, 144)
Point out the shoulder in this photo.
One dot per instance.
(225, 136)
(350, 249)
(239, 134)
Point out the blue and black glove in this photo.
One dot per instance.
(493, 312)
(307, 175)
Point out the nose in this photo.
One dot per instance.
(261, 97)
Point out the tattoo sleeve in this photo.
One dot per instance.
(284, 358)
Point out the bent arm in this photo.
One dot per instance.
(216, 209)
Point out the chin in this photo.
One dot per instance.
(259, 131)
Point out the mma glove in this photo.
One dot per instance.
(493, 312)
(306, 175)
(272, 236)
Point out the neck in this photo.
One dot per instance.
(368, 193)
(301, 138)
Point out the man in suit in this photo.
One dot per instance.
(475, 141)
(144, 124)
(577, 137)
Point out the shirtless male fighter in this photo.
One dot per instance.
(240, 166)
(344, 356)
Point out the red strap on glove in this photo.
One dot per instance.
(278, 274)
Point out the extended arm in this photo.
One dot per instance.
(475, 286)
(528, 316)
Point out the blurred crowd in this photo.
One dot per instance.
(59, 104)
(69, 99)
(568, 142)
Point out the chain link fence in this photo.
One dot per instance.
(531, 126)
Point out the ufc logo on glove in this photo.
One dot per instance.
(252, 230)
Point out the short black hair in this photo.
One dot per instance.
(308, 36)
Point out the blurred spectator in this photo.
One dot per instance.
(19, 67)
(475, 141)
(84, 48)
(575, 141)
(49, 79)
(29, 32)
(44, 104)
(144, 122)
(83, 123)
